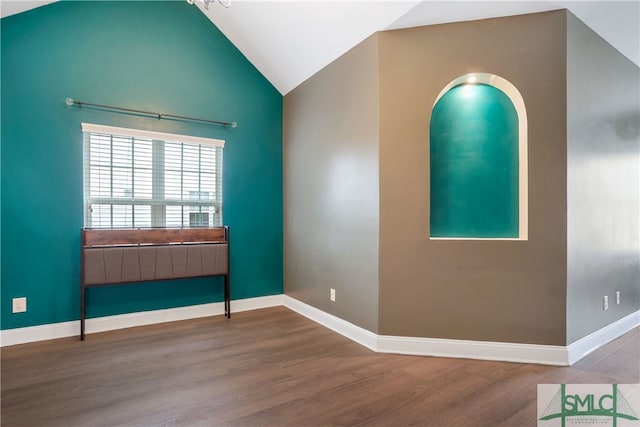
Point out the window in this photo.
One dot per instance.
(142, 179)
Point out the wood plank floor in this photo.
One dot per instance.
(273, 367)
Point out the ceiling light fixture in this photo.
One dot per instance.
(224, 3)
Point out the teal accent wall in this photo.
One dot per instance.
(152, 55)
(474, 164)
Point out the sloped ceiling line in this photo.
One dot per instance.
(289, 41)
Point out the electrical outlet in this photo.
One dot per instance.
(332, 295)
(20, 305)
(617, 297)
(605, 303)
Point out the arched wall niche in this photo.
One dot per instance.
(478, 161)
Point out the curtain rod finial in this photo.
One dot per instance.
(69, 101)
(234, 125)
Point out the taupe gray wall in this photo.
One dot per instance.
(603, 144)
(512, 291)
(331, 205)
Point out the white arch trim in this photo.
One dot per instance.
(523, 166)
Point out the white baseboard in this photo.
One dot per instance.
(511, 352)
(341, 326)
(108, 323)
(39, 333)
(483, 350)
(579, 349)
(256, 303)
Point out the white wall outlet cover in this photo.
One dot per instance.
(19, 305)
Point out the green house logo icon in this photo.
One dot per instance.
(584, 407)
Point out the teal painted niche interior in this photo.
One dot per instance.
(161, 56)
(474, 164)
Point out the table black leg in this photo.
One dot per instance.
(227, 298)
(82, 313)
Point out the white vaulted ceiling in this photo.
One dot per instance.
(11, 7)
(289, 41)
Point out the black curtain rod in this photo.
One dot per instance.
(70, 102)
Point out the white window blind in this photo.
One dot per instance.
(141, 179)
